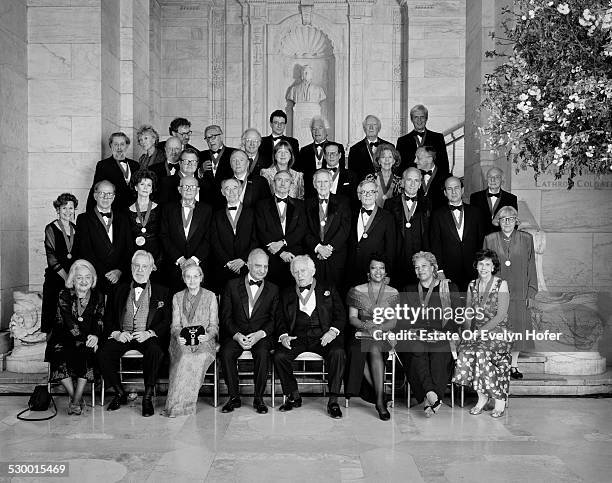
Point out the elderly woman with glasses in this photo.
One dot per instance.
(284, 159)
(517, 255)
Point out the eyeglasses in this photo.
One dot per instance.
(212, 136)
(494, 177)
(279, 123)
(508, 219)
(369, 192)
(185, 133)
(189, 161)
(104, 194)
(189, 187)
(329, 153)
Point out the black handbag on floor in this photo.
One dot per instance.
(40, 400)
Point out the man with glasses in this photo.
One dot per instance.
(343, 181)
(104, 238)
(456, 234)
(372, 231)
(362, 154)
(185, 231)
(188, 164)
(278, 123)
(312, 156)
(250, 143)
(118, 170)
(214, 164)
(180, 128)
(492, 199)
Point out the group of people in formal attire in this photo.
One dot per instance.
(279, 250)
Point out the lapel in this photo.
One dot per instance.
(289, 221)
(244, 296)
(258, 302)
(122, 295)
(320, 306)
(100, 228)
(292, 308)
(331, 212)
(451, 223)
(375, 222)
(194, 220)
(152, 305)
(119, 173)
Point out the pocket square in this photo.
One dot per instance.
(327, 293)
(160, 304)
(345, 184)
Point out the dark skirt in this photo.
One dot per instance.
(355, 382)
(52, 286)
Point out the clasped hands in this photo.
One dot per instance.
(113, 276)
(328, 337)
(324, 251)
(186, 261)
(235, 265)
(92, 341)
(201, 339)
(249, 340)
(139, 336)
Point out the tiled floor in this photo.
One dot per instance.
(539, 439)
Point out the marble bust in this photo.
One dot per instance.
(306, 90)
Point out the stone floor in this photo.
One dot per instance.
(539, 439)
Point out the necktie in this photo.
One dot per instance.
(232, 208)
(139, 285)
(106, 214)
(369, 212)
(281, 200)
(489, 194)
(333, 170)
(457, 208)
(423, 172)
(322, 200)
(255, 282)
(305, 287)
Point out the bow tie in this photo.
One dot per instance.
(139, 285)
(173, 166)
(305, 287)
(232, 208)
(333, 170)
(276, 138)
(420, 133)
(323, 200)
(280, 200)
(369, 212)
(241, 180)
(430, 172)
(489, 194)
(413, 198)
(255, 282)
(373, 144)
(188, 205)
(106, 214)
(457, 208)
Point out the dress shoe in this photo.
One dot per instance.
(74, 408)
(117, 401)
(232, 403)
(515, 373)
(286, 406)
(333, 409)
(260, 406)
(147, 406)
(383, 413)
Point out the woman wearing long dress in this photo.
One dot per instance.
(386, 159)
(518, 269)
(284, 158)
(59, 240)
(194, 306)
(483, 363)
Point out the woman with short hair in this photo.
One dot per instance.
(386, 160)
(148, 138)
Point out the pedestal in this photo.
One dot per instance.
(575, 363)
(27, 359)
(303, 112)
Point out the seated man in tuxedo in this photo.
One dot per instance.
(249, 314)
(312, 156)
(328, 218)
(491, 200)
(172, 150)
(103, 237)
(278, 123)
(253, 187)
(180, 128)
(250, 143)
(312, 319)
(421, 136)
(188, 164)
(411, 226)
(232, 237)
(137, 316)
(280, 225)
(118, 170)
(185, 233)
(362, 154)
(432, 180)
(456, 234)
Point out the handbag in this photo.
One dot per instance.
(40, 400)
(191, 333)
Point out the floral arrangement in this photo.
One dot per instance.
(550, 100)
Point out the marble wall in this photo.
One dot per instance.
(13, 154)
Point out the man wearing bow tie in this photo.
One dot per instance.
(185, 233)
(214, 165)
(456, 234)
(312, 320)
(492, 199)
(103, 237)
(249, 315)
(281, 225)
(172, 149)
(232, 236)
(278, 123)
(118, 170)
(372, 231)
(251, 141)
(312, 156)
(421, 136)
(137, 317)
(409, 211)
(432, 180)
(361, 155)
(253, 187)
(188, 164)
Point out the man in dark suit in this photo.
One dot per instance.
(180, 128)
(253, 187)
(185, 233)
(372, 231)
(215, 164)
(278, 123)
(344, 181)
(411, 226)
(118, 170)
(169, 185)
(432, 180)
(421, 136)
(280, 225)
(103, 237)
(362, 154)
(312, 320)
(490, 201)
(232, 237)
(328, 219)
(251, 141)
(312, 156)
(137, 316)
(172, 151)
(249, 315)
(456, 234)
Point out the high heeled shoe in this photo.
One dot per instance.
(476, 410)
(383, 413)
(515, 373)
(496, 413)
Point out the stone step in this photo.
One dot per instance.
(531, 364)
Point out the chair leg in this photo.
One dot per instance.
(392, 381)
(346, 402)
(215, 384)
(102, 393)
(93, 394)
(462, 395)
(407, 393)
(452, 395)
(272, 383)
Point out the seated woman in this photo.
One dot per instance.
(427, 358)
(194, 306)
(76, 333)
(284, 158)
(484, 363)
(366, 358)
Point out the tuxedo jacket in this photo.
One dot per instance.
(109, 170)
(455, 255)
(172, 235)
(481, 200)
(347, 186)
(257, 189)
(267, 145)
(307, 159)
(361, 160)
(168, 189)
(224, 168)
(158, 318)
(158, 158)
(256, 164)
(226, 245)
(329, 306)
(161, 172)
(93, 244)
(435, 197)
(408, 144)
(161, 145)
(235, 309)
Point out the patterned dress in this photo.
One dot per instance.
(485, 364)
(187, 367)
